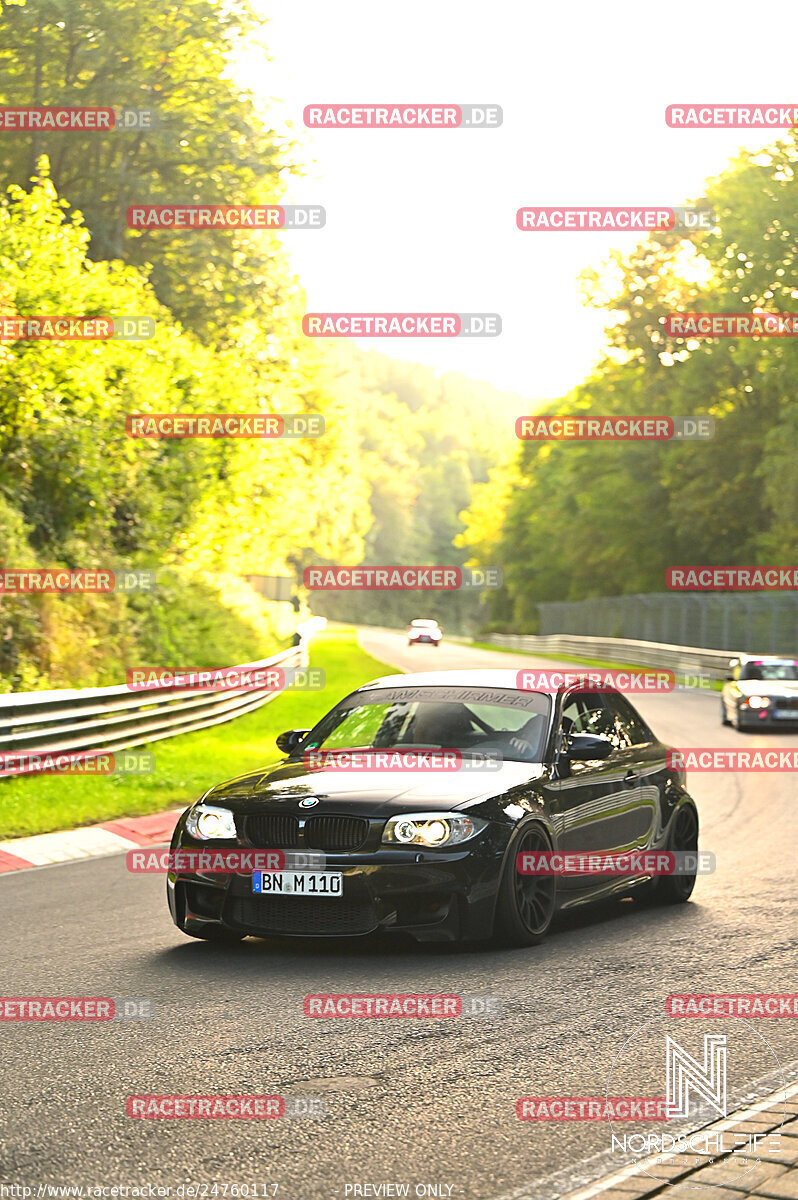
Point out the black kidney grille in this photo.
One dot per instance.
(336, 834)
(278, 831)
(302, 914)
(273, 831)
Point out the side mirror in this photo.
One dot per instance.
(287, 742)
(583, 747)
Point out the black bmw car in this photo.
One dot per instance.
(434, 852)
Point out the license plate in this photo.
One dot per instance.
(784, 714)
(298, 883)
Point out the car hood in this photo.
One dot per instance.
(768, 687)
(375, 793)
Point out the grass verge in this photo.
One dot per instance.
(187, 765)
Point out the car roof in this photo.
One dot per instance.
(485, 677)
(762, 658)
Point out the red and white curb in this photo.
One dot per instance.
(92, 841)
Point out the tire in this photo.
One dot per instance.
(724, 720)
(525, 904)
(738, 723)
(676, 889)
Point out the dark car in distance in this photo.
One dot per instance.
(433, 854)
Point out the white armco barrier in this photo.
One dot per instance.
(87, 721)
(683, 660)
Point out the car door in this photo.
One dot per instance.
(647, 761)
(597, 802)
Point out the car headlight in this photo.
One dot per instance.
(431, 829)
(207, 821)
(757, 702)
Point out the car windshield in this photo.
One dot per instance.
(424, 624)
(472, 720)
(772, 671)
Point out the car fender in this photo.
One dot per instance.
(521, 827)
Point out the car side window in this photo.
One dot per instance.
(595, 712)
(609, 724)
(586, 712)
(628, 721)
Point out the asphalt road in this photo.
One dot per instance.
(427, 1104)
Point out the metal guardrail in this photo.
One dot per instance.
(683, 660)
(88, 721)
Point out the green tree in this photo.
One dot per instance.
(590, 519)
(209, 145)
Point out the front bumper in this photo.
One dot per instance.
(764, 718)
(431, 895)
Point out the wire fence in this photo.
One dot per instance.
(754, 622)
